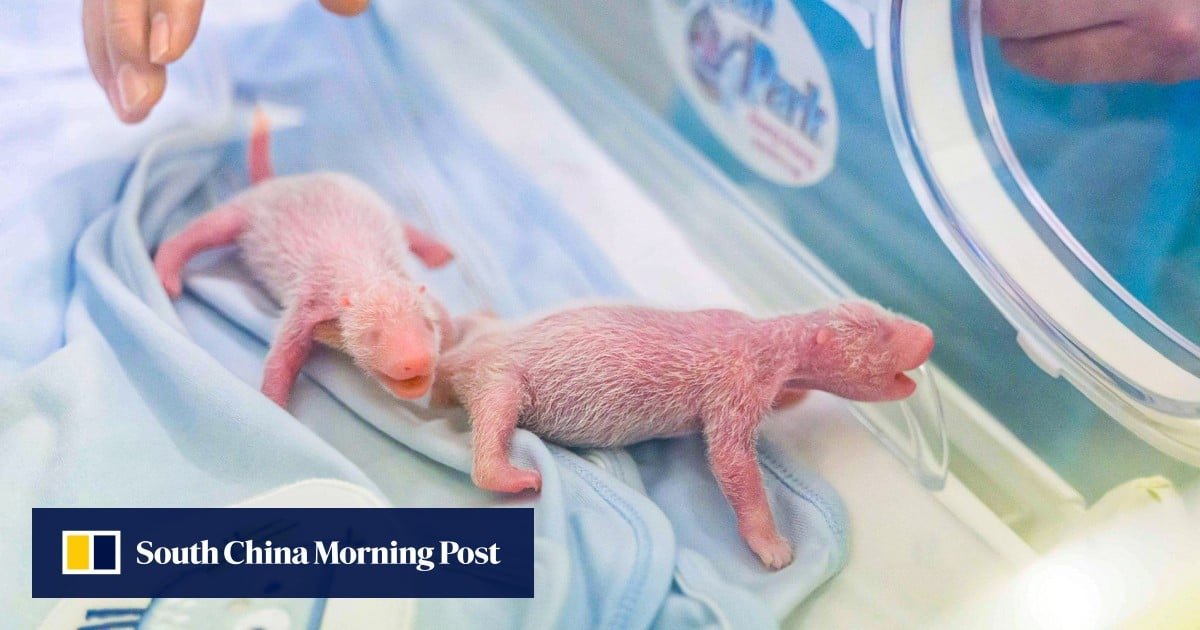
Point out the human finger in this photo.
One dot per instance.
(1102, 54)
(345, 7)
(139, 83)
(173, 27)
(94, 43)
(1026, 19)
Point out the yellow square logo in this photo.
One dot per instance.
(91, 552)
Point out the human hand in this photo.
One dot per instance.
(130, 42)
(1093, 41)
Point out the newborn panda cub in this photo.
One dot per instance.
(332, 253)
(603, 376)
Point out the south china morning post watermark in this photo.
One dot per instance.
(331, 552)
(266, 552)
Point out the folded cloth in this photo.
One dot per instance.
(141, 402)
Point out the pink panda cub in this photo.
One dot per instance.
(333, 254)
(602, 376)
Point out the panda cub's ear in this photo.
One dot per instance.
(824, 335)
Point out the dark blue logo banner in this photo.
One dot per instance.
(266, 552)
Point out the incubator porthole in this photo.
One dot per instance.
(1067, 262)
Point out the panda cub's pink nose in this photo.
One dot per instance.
(405, 359)
(914, 344)
(410, 365)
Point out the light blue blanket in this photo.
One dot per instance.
(114, 396)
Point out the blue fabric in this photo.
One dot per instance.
(117, 397)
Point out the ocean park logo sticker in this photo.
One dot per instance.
(752, 71)
(91, 552)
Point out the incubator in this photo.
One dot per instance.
(1064, 286)
(766, 155)
(870, 131)
(1050, 234)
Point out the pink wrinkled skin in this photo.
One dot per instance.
(331, 252)
(613, 375)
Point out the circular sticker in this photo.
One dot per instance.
(753, 72)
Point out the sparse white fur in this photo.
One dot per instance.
(332, 234)
(615, 375)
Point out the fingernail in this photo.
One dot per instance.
(160, 38)
(131, 87)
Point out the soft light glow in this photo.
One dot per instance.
(1060, 595)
